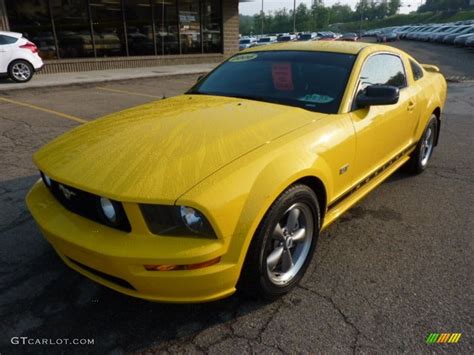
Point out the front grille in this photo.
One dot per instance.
(87, 205)
(113, 279)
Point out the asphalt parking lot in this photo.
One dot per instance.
(393, 269)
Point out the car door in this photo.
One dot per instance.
(6, 47)
(382, 131)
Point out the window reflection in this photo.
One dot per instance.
(139, 27)
(211, 26)
(107, 22)
(88, 28)
(33, 20)
(71, 20)
(189, 26)
(166, 22)
(383, 69)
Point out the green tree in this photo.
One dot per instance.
(321, 15)
(362, 7)
(259, 23)
(304, 18)
(281, 21)
(382, 9)
(444, 5)
(246, 24)
(393, 7)
(340, 13)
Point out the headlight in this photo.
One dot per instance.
(108, 209)
(176, 221)
(193, 220)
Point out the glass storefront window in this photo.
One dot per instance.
(166, 24)
(211, 26)
(33, 19)
(190, 26)
(108, 25)
(139, 20)
(71, 21)
(102, 28)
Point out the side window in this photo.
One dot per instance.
(383, 69)
(416, 69)
(7, 40)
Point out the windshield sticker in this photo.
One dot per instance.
(243, 58)
(282, 76)
(317, 99)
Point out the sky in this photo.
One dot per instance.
(251, 8)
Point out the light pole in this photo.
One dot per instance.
(262, 15)
(294, 16)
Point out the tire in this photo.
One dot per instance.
(271, 277)
(420, 157)
(20, 71)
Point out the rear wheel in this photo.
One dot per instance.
(20, 71)
(283, 245)
(424, 150)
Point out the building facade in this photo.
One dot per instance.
(76, 35)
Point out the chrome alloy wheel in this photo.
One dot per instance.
(289, 244)
(21, 71)
(427, 146)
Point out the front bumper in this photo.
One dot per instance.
(116, 259)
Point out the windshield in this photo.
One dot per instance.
(284, 39)
(305, 37)
(263, 40)
(311, 80)
(459, 29)
(244, 41)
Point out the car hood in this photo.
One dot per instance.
(158, 151)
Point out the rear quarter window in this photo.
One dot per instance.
(7, 40)
(416, 69)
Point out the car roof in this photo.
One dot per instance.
(11, 34)
(317, 46)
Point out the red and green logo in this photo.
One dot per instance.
(443, 338)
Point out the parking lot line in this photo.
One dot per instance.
(47, 110)
(127, 92)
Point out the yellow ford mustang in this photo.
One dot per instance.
(228, 186)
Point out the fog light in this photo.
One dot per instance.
(171, 267)
(108, 209)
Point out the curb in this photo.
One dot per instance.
(35, 86)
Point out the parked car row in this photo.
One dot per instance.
(456, 33)
(248, 41)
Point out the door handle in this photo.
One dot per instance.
(411, 105)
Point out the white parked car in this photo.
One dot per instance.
(245, 43)
(263, 41)
(19, 58)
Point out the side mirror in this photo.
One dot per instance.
(377, 95)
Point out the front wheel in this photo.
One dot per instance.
(283, 245)
(20, 71)
(421, 155)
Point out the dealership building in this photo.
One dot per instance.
(78, 35)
